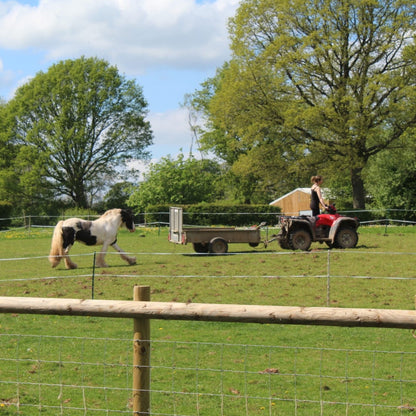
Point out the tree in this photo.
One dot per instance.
(391, 181)
(178, 181)
(118, 195)
(22, 171)
(263, 164)
(82, 119)
(8, 152)
(327, 83)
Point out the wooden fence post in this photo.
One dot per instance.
(141, 357)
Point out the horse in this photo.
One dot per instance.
(102, 231)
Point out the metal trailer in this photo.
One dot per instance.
(210, 239)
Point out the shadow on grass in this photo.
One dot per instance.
(226, 254)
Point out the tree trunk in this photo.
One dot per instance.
(358, 191)
(80, 197)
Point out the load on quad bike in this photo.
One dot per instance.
(337, 231)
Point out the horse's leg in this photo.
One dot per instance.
(100, 262)
(123, 255)
(68, 262)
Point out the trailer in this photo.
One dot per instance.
(210, 239)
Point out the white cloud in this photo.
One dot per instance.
(6, 76)
(172, 133)
(137, 35)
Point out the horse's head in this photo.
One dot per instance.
(128, 219)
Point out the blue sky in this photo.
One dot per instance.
(168, 46)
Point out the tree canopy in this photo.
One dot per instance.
(178, 181)
(75, 124)
(391, 179)
(319, 83)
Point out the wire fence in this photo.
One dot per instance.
(63, 375)
(52, 375)
(335, 267)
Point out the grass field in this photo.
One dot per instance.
(65, 365)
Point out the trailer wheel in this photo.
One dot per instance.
(200, 247)
(218, 245)
(253, 244)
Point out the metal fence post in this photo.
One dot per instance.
(93, 275)
(328, 278)
(141, 357)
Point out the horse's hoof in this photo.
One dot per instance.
(54, 261)
(132, 261)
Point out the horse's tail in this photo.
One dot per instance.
(57, 248)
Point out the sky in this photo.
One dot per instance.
(168, 46)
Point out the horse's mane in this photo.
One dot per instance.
(113, 211)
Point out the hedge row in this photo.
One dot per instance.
(212, 214)
(6, 209)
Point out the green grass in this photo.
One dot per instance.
(218, 368)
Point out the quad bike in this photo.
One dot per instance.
(337, 231)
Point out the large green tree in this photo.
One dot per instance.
(263, 164)
(322, 82)
(76, 123)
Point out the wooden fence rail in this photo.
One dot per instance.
(351, 317)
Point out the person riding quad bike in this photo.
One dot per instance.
(337, 231)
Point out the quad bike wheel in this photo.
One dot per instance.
(284, 243)
(346, 238)
(283, 239)
(300, 240)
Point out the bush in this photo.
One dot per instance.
(214, 214)
(5, 214)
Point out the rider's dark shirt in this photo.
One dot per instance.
(314, 202)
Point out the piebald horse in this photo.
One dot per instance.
(102, 231)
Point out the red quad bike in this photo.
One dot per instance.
(337, 231)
